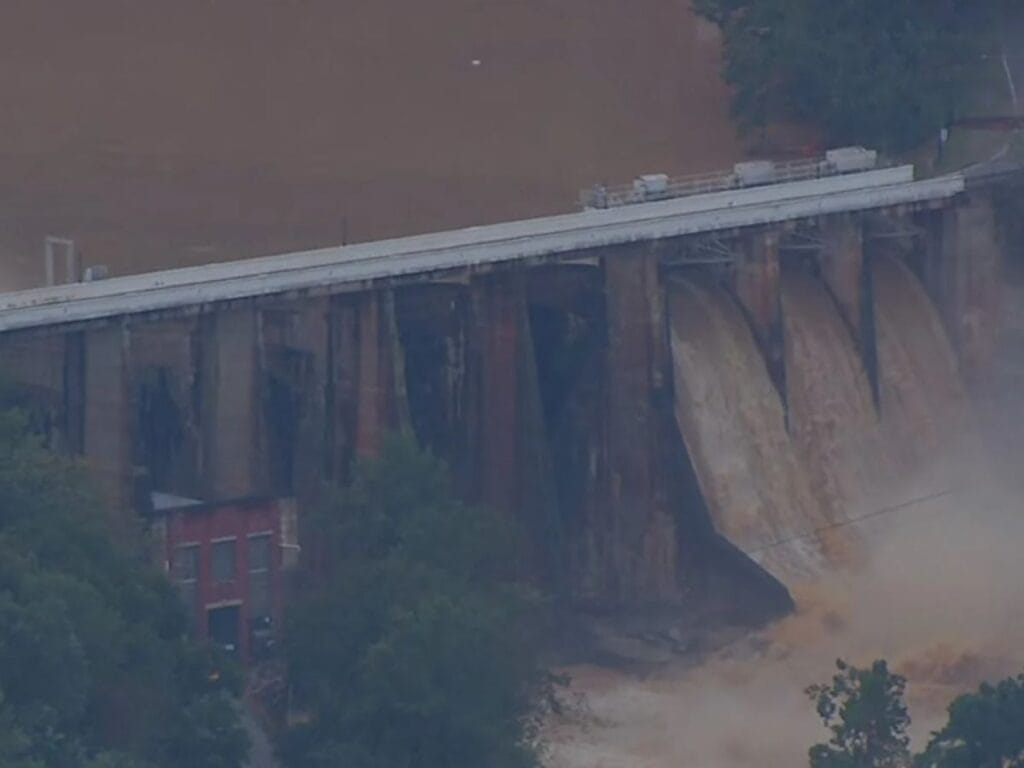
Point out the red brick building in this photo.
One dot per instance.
(227, 560)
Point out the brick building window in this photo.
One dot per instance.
(222, 556)
(185, 573)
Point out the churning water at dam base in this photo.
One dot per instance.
(875, 508)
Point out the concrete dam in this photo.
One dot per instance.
(685, 403)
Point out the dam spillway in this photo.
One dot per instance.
(786, 478)
(679, 406)
(733, 424)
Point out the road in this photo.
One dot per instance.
(355, 265)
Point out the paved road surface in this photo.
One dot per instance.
(566, 234)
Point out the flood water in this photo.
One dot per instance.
(931, 587)
(167, 134)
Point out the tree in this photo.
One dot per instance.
(883, 73)
(864, 711)
(95, 669)
(985, 730)
(414, 646)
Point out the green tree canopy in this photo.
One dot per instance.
(413, 645)
(883, 73)
(864, 711)
(95, 670)
(985, 730)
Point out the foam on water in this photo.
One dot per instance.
(934, 589)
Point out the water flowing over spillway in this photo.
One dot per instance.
(923, 400)
(783, 481)
(828, 471)
(832, 416)
(732, 421)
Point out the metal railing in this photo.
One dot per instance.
(645, 189)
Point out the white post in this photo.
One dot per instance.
(71, 264)
(49, 261)
(1009, 81)
(51, 244)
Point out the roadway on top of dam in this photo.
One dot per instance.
(329, 270)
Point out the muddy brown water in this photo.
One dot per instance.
(163, 133)
(933, 587)
(160, 133)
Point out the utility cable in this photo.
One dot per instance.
(852, 520)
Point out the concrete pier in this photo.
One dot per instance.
(637, 499)
(756, 284)
(966, 280)
(232, 425)
(108, 408)
(842, 267)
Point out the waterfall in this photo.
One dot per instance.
(924, 405)
(784, 481)
(832, 416)
(733, 424)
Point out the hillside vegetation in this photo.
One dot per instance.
(883, 73)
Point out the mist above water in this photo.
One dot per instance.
(938, 598)
(934, 584)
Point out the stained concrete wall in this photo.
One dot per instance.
(364, 379)
(963, 273)
(498, 326)
(637, 502)
(164, 375)
(614, 532)
(308, 331)
(756, 285)
(35, 363)
(76, 389)
(380, 384)
(434, 322)
(341, 401)
(45, 375)
(842, 267)
(233, 451)
(292, 394)
(108, 406)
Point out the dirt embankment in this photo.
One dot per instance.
(159, 133)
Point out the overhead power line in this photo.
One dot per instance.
(853, 520)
